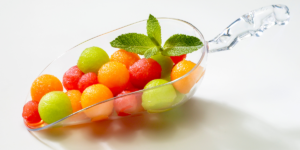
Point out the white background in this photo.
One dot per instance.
(258, 79)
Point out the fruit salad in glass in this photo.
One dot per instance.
(133, 70)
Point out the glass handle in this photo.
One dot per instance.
(253, 23)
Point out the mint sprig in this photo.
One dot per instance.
(134, 42)
(150, 45)
(179, 44)
(153, 30)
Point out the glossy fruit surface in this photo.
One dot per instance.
(94, 94)
(128, 105)
(158, 98)
(71, 78)
(43, 85)
(124, 57)
(114, 75)
(143, 71)
(75, 98)
(54, 106)
(91, 59)
(180, 69)
(177, 59)
(87, 80)
(31, 113)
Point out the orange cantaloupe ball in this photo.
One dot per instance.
(75, 97)
(124, 57)
(94, 94)
(180, 69)
(114, 75)
(44, 84)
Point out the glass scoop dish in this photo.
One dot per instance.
(253, 23)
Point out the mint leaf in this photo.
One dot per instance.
(179, 44)
(153, 30)
(151, 52)
(150, 45)
(133, 42)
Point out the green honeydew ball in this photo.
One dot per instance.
(158, 98)
(54, 106)
(91, 59)
(166, 64)
(178, 98)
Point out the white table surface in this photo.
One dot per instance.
(258, 81)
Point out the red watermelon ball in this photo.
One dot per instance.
(87, 80)
(31, 113)
(129, 104)
(71, 78)
(177, 59)
(143, 71)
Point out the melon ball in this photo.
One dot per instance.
(44, 84)
(158, 98)
(166, 64)
(94, 94)
(143, 71)
(91, 59)
(54, 106)
(114, 75)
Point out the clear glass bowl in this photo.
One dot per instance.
(187, 84)
(253, 23)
